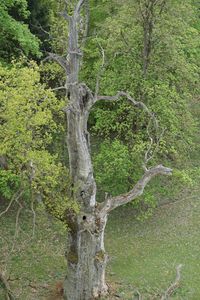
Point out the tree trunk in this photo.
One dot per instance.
(86, 258)
(86, 255)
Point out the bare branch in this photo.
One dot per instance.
(153, 119)
(78, 7)
(9, 205)
(16, 225)
(34, 216)
(59, 59)
(111, 203)
(15, 197)
(65, 15)
(67, 2)
(59, 88)
(42, 29)
(129, 98)
(139, 296)
(174, 285)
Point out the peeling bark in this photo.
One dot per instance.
(87, 259)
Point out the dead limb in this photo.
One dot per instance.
(14, 198)
(5, 284)
(129, 98)
(113, 202)
(174, 285)
(138, 295)
(16, 226)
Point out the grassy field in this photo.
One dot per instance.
(143, 255)
(34, 263)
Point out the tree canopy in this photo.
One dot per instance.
(15, 37)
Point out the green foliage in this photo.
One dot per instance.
(48, 25)
(31, 118)
(168, 88)
(9, 183)
(172, 74)
(28, 112)
(15, 36)
(112, 167)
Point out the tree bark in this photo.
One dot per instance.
(86, 259)
(86, 255)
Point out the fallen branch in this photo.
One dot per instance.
(174, 285)
(138, 295)
(6, 287)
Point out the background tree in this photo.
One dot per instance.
(169, 86)
(15, 37)
(31, 118)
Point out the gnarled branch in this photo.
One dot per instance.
(113, 202)
(129, 98)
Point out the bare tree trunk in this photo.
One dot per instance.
(86, 259)
(86, 255)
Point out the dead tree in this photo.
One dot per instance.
(86, 256)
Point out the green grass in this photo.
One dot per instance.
(34, 263)
(144, 255)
